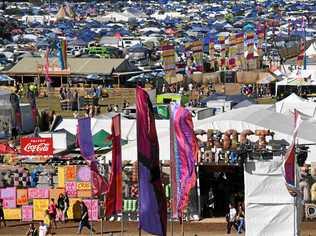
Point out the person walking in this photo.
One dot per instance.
(61, 208)
(52, 210)
(241, 218)
(84, 218)
(231, 218)
(66, 204)
(2, 220)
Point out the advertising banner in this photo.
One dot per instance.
(36, 146)
(27, 213)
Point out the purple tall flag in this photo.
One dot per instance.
(152, 199)
(85, 141)
(85, 138)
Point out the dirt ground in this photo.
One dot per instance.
(202, 228)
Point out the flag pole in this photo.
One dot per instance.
(182, 228)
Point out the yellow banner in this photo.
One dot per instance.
(84, 193)
(83, 186)
(12, 214)
(74, 208)
(61, 177)
(39, 208)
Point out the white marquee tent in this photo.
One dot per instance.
(288, 104)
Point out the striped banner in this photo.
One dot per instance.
(221, 40)
(211, 52)
(197, 50)
(169, 61)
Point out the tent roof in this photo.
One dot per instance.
(288, 104)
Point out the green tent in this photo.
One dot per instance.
(101, 139)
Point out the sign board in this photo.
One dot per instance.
(93, 208)
(8, 195)
(61, 176)
(12, 214)
(39, 207)
(71, 189)
(27, 213)
(38, 193)
(21, 197)
(83, 186)
(83, 174)
(36, 146)
(70, 173)
(55, 192)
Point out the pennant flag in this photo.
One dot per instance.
(211, 51)
(114, 195)
(183, 156)
(151, 199)
(84, 138)
(62, 54)
(289, 164)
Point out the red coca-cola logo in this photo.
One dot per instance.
(36, 146)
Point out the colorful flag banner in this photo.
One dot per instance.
(197, 50)
(249, 40)
(211, 52)
(114, 195)
(222, 62)
(183, 156)
(152, 199)
(240, 48)
(62, 54)
(169, 61)
(232, 51)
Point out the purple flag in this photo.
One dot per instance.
(85, 138)
(152, 199)
(85, 141)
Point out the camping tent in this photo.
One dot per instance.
(288, 104)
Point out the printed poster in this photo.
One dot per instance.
(39, 207)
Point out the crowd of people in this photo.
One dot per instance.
(58, 212)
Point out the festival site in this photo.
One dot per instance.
(158, 117)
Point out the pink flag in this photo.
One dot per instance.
(114, 194)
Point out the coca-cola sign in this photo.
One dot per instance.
(36, 146)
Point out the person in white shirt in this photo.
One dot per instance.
(231, 218)
(42, 230)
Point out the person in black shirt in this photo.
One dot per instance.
(84, 218)
(2, 220)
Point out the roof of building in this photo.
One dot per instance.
(77, 66)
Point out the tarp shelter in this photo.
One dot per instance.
(288, 104)
(266, 213)
(262, 117)
(65, 12)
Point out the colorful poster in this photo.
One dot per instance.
(8, 195)
(21, 197)
(38, 193)
(74, 208)
(84, 193)
(55, 192)
(61, 177)
(70, 173)
(83, 186)
(12, 214)
(71, 189)
(27, 213)
(39, 207)
(93, 208)
(83, 174)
